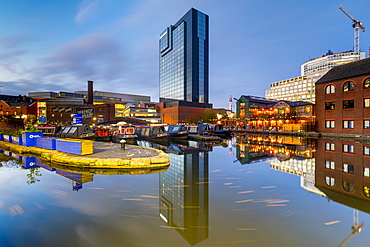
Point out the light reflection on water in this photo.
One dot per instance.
(254, 191)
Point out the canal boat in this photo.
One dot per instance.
(205, 129)
(157, 133)
(69, 131)
(219, 130)
(103, 133)
(177, 132)
(126, 133)
(191, 129)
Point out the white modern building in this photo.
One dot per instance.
(302, 88)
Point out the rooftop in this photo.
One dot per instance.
(349, 70)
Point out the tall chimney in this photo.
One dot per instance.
(90, 93)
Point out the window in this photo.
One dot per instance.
(366, 124)
(329, 105)
(348, 86)
(330, 89)
(366, 102)
(366, 150)
(367, 83)
(366, 191)
(366, 172)
(348, 168)
(329, 181)
(329, 164)
(348, 124)
(348, 148)
(330, 124)
(329, 146)
(348, 186)
(348, 104)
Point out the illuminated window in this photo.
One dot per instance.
(329, 146)
(366, 124)
(348, 124)
(348, 148)
(329, 181)
(348, 104)
(348, 168)
(366, 150)
(366, 102)
(366, 191)
(329, 164)
(348, 86)
(330, 105)
(367, 83)
(330, 89)
(366, 172)
(329, 124)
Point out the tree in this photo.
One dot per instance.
(209, 115)
(191, 120)
(32, 176)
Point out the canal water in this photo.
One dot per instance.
(249, 191)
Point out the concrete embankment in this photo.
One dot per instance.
(106, 155)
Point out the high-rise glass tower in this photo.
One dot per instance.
(183, 49)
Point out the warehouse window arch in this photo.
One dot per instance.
(348, 86)
(367, 83)
(330, 89)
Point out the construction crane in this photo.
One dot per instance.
(356, 228)
(357, 25)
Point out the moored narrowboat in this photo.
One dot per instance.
(177, 132)
(157, 133)
(126, 133)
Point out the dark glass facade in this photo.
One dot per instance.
(183, 61)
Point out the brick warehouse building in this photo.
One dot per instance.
(342, 172)
(343, 99)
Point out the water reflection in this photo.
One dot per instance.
(336, 170)
(78, 176)
(184, 189)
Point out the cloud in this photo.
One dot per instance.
(88, 57)
(12, 49)
(85, 10)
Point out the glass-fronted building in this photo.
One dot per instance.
(302, 88)
(183, 49)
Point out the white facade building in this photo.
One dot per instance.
(302, 88)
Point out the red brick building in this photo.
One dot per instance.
(343, 99)
(91, 114)
(178, 111)
(342, 172)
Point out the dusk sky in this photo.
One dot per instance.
(60, 45)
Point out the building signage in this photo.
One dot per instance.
(77, 119)
(253, 105)
(86, 112)
(61, 109)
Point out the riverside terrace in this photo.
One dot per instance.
(104, 155)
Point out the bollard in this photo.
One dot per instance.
(123, 142)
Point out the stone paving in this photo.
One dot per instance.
(105, 150)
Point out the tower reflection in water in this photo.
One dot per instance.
(184, 192)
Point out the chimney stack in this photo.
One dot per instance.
(90, 93)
